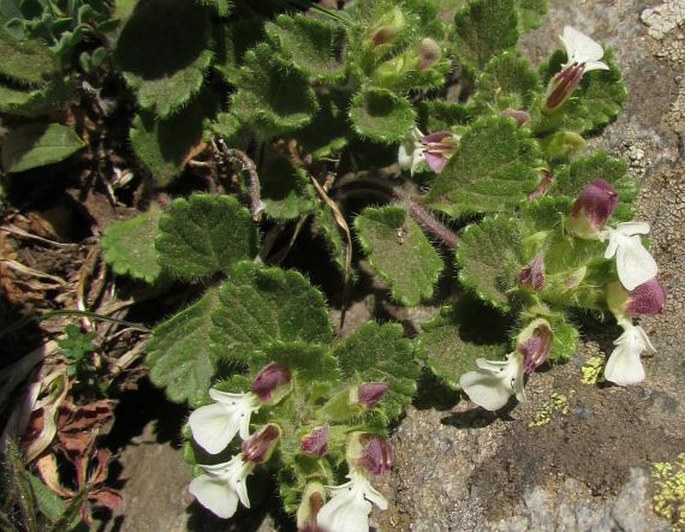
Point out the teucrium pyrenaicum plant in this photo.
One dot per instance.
(537, 226)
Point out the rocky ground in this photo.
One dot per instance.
(575, 456)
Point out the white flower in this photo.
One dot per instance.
(582, 50)
(491, 385)
(634, 263)
(349, 508)
(214, 426)
(223, 486)
(624, 366)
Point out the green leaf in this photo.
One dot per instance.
(49, 504)
(272, 98)
(495, 167)
(222, 7)
(310, 44)
(179, 352)
(380, 353)
(440, 115)
(483, 29)
(260, 306)
(381, 115)
(531, 13)
(232, 41)
(129, 246)
(164, 146)
(508, 82)
(451, 342)
(28, 62)
(163, 53)
(327, 228)
(489, 257)
(571, 180)
(328, 132)
(205, 235)
(286, 192)
(399, 251)
(35, 145)
(37, 102)
(565, 343)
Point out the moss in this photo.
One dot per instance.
(557, 404)
(669, 495)
(592, 370)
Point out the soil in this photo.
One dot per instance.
(575, 456)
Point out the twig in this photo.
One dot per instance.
(254, 187)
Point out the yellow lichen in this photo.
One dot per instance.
(558, 403)
(592, 370)
(669, 495)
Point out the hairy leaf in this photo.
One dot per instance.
(205, 234)
(451, 342)
(329, 130)
(164, 146)
(489, 257)
(309, 362)
(260, 306)
(565, 341)
(272, 98)
(381, 115)
(163, 53)
(483, 29)
(442, 115)
(310, 44)
(35, 145)
(285, 190)
(508, 82)
(531, 13)
(35, 102)
(399, 251)
(129, 246)
(179, 352)
(495, 167)
(380, 353)
(28, 62)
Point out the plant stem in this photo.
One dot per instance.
(430, 224)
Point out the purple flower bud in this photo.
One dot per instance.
(370, 393)
(562, 85)
(520, 116)
(429, 53)
(271, 383)
(535, 344)
(258, 447)
(377, 454)
(592, 209)
(316, 442)
(647, 299)
(543, 187)
(532, 277)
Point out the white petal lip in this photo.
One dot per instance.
(491, 385)
(624, 366)
(214, 426)
(223, 486)
(349, 507)
(634, 264)
(582, 49)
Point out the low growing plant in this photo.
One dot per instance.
(416, 129)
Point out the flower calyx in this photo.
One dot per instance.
(591, 210)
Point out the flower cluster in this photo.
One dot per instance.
(214, 427)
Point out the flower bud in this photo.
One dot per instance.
(389, 26)
(429, 53)
(595, 204)
(316, 442)
(258, 447)
(647, 299)
(561, 86)
(543, 187)
(520, 116)
(370, 452)
(272, 383)
(369, 394)
(532, 277)
(535, 344)
(312, 502)
(562, 144)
